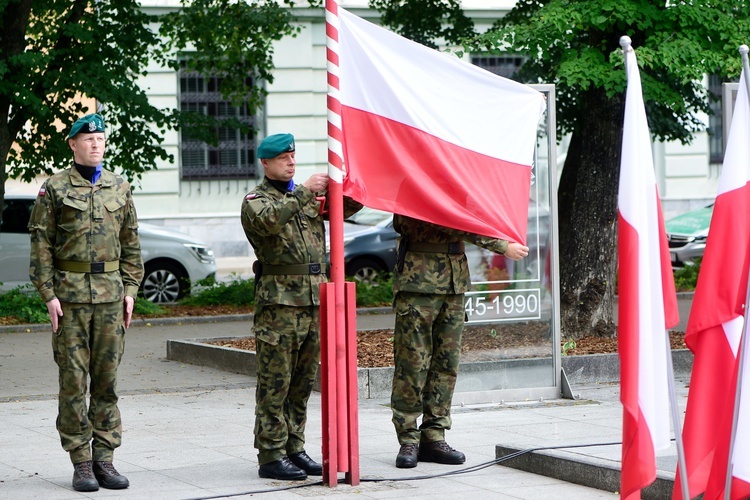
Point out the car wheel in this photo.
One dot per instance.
(364, 270)
(164, 282)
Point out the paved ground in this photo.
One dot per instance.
(188, 432)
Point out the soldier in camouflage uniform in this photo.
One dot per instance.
(86, 264)
(284, 224)
(429, 283)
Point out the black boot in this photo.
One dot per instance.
(108, 476)
(407, 456)
(282, 469)
(307, 464)
(83, 477)
(440, 452)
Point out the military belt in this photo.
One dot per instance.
(312, 268)
(452, 247)
(87, 267)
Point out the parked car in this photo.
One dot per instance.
(172, 260)
(369, 244)
(369, 250)
(687, 234)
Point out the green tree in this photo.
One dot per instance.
(575, 45)
(425, 21)
(54, 52)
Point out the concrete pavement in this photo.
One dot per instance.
(188, 431)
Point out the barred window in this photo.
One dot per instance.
(506, 66)
(234, 155)
(715, 121)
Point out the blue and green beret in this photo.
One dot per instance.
(275, 144)
(88, 124)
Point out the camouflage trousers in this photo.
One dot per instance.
(288, 353)
(426, 348)
(89, 344)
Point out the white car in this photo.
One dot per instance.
(172, 260)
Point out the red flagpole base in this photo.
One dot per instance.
(339, 386)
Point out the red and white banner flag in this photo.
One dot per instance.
(647, 299)
(715, 328)
(433, 137)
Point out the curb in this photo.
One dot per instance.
(584, 470)
(375, 383)
(181, 320)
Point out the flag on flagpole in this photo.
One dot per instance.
(715, 326)
(647, 298)
(433, 137)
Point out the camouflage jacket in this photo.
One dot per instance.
(286, 229)
(74, 220)
(438, 273)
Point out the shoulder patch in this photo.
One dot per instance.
(42, 191)
(251, 196)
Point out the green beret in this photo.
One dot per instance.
(87, 125)
(273, 145)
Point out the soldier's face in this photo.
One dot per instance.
(88, 149)
(280, 168)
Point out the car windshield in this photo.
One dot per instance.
(369, 217)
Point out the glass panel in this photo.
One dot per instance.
(509, 342)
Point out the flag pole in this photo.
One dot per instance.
(676, 424)
(338, 322)
(743, 339)
(626, 44)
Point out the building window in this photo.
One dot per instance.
(715, 121)
(234, 155)
(506, 66)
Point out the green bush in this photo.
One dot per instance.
(146, 307)
(685, 278)
(24, 303)
(377, 293)
(237, 292)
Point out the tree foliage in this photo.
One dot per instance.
(54, 53)
(425, 21)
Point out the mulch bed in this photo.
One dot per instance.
(480, 343)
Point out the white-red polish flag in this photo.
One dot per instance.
(715, 327)
(647, 299)
(433, 137)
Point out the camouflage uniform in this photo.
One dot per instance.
(287, 233)
(76, 223)
(429, 285)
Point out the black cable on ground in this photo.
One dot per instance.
(454, 472)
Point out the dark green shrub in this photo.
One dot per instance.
(24, 303)
(377, 293)
(146, 307)
(237, 292)
(685, 278)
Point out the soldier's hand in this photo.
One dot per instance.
(316, 182)
(128, 312)
(55, 313)
(516, 251)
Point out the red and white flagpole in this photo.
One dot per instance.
(338, 303)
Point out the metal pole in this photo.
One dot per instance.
(743, 344)
(625, 43)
